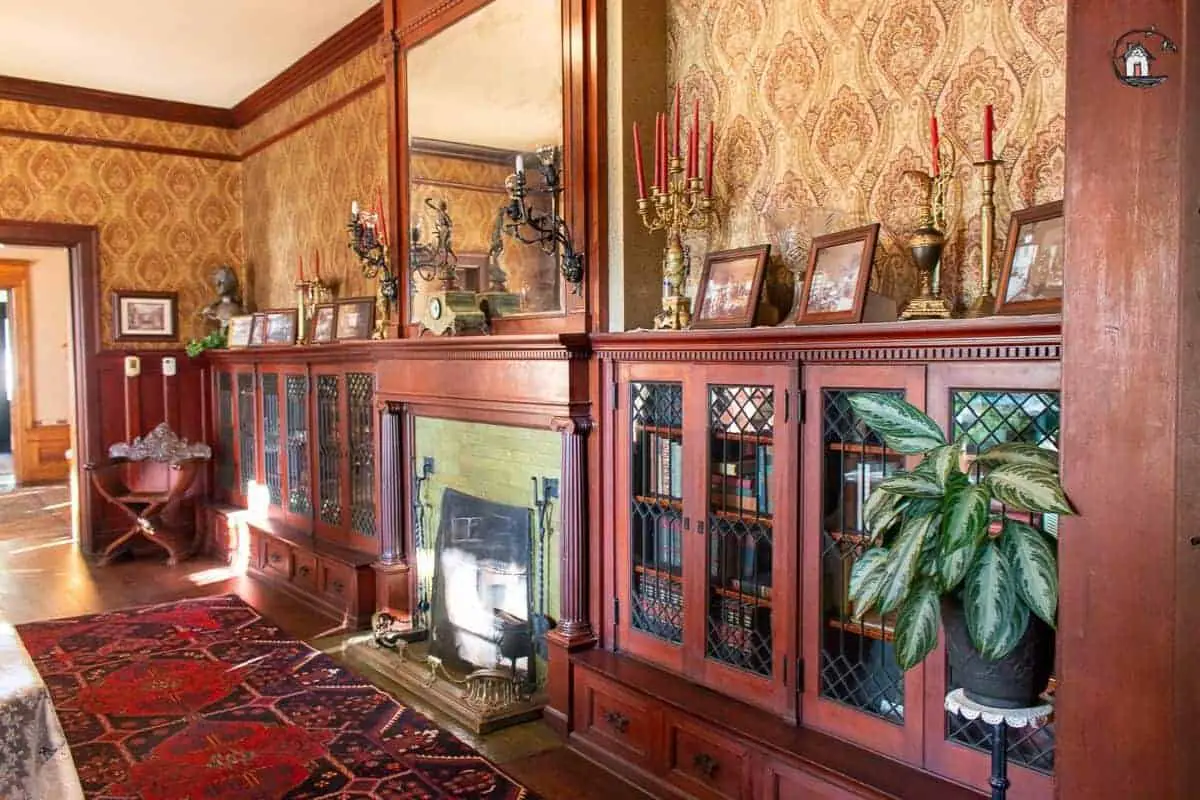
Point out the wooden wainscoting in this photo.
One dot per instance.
(43, 455)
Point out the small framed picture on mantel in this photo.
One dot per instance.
(727, 295)
(839, 271)
(145, 316)
(1031, 278)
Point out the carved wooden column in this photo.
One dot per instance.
(393, 578)
(574, 629)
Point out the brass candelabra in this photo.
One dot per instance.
(680, 207)
(985, 303)
(309, 293)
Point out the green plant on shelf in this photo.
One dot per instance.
(933, 532)
(213, 341)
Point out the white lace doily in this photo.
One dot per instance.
(958, 703)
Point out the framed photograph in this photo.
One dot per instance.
(727, 295)
(238, 333)
(281, 327)
(839, 269)
(1031, 277)
(145, 316)
(322, 323)
(355, 318)
(258, 330)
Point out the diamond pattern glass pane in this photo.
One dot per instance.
(858, 662)
(656, 510)
(988, 418)
(246, 438)
(360, 389)
(225, 477)
(741, 428)
(329, 449)
(299, 490)
(271, 459)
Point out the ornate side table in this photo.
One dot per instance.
(1001, 719)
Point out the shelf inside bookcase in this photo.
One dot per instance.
(871, 627)
(666, 503)
(744, 517)
(858, 448)
(745, 438)
(660, 430)
(747, 599)
(642, 569)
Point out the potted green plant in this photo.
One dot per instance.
(947, 549)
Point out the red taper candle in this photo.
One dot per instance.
(657, 152)
(382, 212)
(694, 143)
(662, 162)
(708, 170)
(637, 162)
(675, 150)
(300, 269)
(989, 127)
(934, 143)
(317, 260)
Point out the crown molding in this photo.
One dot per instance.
(23, 90)
(363, 32)
(461, 151)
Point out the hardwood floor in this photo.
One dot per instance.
(44, 576)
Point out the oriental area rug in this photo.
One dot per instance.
(205, 700)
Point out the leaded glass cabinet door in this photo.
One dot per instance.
(269, 383)
(226, 461)
(330, 395)
(744, 541)
(247, 431)
(990, 404)
(652, 489)
(853, 686)
(297, 446)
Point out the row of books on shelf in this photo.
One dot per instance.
(739, 630)
(760, 587)
(664, 472)
(744, 484)
(660, 589)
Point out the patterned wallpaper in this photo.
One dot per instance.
(823, 104)
(298, 189)
(165, 221)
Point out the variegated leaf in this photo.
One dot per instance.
(866, 579)
(1028, 487)
(1019, 453)
(917, 626)
(911, 484)
(900, 424)
(944, 461)
(956, 564)
(920, 506)
(1035, 568)
(1018, 623)
(902, 562)
(989, 600)
(881, 511)
(966, 518)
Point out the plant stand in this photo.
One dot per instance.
(1001, 719)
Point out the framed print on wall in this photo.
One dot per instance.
(281, 327)
(355, 318)
(145, 316)
(323, 320)
(258, 330)
(839, 270)
(1031, 277)
(727, 295)
(238, 333)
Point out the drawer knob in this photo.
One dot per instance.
(619, 722)
(705, 764)
(338, 587)
(304, 570)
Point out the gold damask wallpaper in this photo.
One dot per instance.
(824, 104)
(165, 221)
(298, 189)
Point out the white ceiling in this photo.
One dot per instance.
(212, 52)
(492, 79)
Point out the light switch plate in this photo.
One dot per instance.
(133, 366)
(168, 366)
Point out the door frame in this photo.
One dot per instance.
(82, 243)
(14, 276)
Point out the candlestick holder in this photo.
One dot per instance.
(985, 304)
(927, 241)
(372, 251)
(308, 294)
(680, 207)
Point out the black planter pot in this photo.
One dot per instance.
(1014, 681)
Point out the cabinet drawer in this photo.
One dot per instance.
(306, 571)
(780, 781)
(622, 721)
(278, 558)
(337, 581)
(705, 764)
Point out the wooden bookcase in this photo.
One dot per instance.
(727, 640)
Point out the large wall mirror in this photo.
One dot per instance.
(484, 94)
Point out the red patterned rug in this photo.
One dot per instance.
(205, 700)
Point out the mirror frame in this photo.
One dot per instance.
(584, 207)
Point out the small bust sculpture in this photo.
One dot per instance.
(229, 298)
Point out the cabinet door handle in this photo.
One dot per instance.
(617, 721)
(700, 527)
(705, 764)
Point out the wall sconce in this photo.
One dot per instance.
(368, 240)
(435, 260)
(550, 232)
